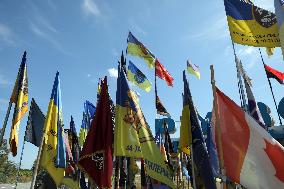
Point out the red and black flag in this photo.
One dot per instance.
(96, 156)
(160, 108)
(272, 73)
(162, 73)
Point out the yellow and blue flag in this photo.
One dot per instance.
(132, 135)
(193, 69)
(138, 78)
(20, 98)
(53, 157)
(251, 25)
(136, 48)
(279, 11)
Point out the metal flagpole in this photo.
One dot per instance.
(5, 123)
(18, 173)
(192, 167)
(218, 128)
(270, 87)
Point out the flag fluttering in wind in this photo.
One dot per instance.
(53, 157)
(251, 155)
(161, 108)
(96, 156)
(251, 25)
(185, 126)
(132, 135)
(162, 73)
(136, 48)
(20, 98)
(279, 11)
(138, 78)
(272, 73)
(35, 124)
(193, 69)
(200, 156)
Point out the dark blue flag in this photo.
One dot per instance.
(35, 125)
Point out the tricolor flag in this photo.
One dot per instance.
(96, 156)
(272, 73)
(251, 156)
(251, 25)
(193, 69)
(162, 73)
(138, 78)
(279, 11)
(20, 98)
(53, 157)
(136, 48)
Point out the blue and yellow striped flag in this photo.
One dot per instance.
(251, 25)
(136, 48)
(193, 69)
(20, 98)
(53, 157)
(138, 78)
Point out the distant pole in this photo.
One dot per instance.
(19, 168)
(270, 86)
(218, 128)
(5, 123)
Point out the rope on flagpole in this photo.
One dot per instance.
(270, 86)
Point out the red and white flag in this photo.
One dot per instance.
(251, 156)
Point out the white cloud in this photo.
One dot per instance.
(113, 72)
(90, 8)
(6, 34)
(247, 51)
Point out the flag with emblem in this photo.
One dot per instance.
(138, 78)
(251, 25)
(252, 157)
(136, 48)
(20, 98)
(53, 157)
(96, 156)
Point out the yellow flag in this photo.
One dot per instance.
(50, 144)
(20, 98)
(185, 130)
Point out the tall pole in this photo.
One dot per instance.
(270, 86)
(192, 167)
(218, 128)
(19, 168)
(5, 123)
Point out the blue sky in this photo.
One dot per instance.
(83, 40)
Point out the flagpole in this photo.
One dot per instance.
(5, 123)
(270, 86)
(37, 162)
(218, 128)
(18, 173)
(192, 167)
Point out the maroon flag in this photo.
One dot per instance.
(272, 73)
(162, 73)
(96, 157)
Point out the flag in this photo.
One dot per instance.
(20, 98)
(75, 147)
(212, 151)
(162, 73)
(279, 11)
(132, 135)
(136, 48)
(53, 157)
(35, 124)
(161, 108)
(251, 156)
(193, 69)
(272, 73)
(96, 156)
(185, 126)
(200, 156)
(251, 25)
(138, 78)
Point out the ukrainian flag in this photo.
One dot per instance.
(138, 78)
(279, 11)
(251, 25)
(136, 48)
(193, 69)
(53, 157)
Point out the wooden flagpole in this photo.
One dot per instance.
(270, 87)
(218, 128)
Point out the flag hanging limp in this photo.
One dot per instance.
(20, 98)
(251, 25)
